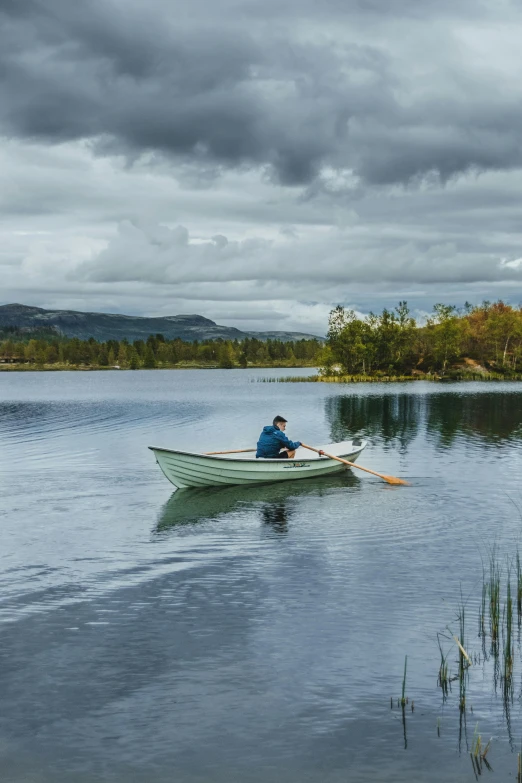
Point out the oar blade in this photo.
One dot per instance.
(395, 480)
(388, 479)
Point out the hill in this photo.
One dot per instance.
(111, 326)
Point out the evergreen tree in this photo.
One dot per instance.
(103, 357)
(133, 358)
(139, 346)
(122, 354)
(149, 360)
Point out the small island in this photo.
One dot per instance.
(482, 342)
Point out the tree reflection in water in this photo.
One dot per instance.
(393, 420)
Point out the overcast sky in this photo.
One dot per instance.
(259, 161)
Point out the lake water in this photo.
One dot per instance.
(249, 634)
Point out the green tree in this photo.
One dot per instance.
(149, 360)
(139, 346)
(448, 334)
(350, 340)
(31, 350)
(122, 354)
(162, 353)
(226, 356)
(261, 354)
(326, 360)
(8, 348)
(133, 359)
(51, 354)
(406, 328)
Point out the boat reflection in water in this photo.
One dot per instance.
(274, 503)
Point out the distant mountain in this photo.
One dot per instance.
(110, 326)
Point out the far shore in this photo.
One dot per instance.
(452, 375)
(56, 367)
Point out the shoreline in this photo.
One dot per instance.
(350, 379)
(95, 368)
(452, 377)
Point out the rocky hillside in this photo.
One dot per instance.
(109, 326)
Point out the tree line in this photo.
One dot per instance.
(391, 343)
(48, 349)
(488, 335)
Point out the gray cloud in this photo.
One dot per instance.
(157, 254)
(234, 91)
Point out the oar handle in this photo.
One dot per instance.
(233, 451)
(339, 459)
(388, 479)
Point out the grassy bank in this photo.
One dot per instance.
(378, 378)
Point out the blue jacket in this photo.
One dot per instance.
(272, 440)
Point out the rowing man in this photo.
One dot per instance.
(273, 443)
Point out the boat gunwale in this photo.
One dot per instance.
(255, 460)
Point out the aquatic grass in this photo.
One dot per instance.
(403, 699)
(500, 598)
(483, 604)
(519, 588)
(286, 379)
(360, 378)
(464, 659)
(479, 752)
(341, 379)
(508, 637)
(493, 589)
(443, 677)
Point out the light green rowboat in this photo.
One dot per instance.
(190, 469)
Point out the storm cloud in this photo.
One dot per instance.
(260, 145)
(218, 84)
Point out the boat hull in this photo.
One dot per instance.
(186, 469)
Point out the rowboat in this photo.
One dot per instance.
(193, 469)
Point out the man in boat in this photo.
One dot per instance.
(273, 443)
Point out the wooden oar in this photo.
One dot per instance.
(388, 479)
(233, 451)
